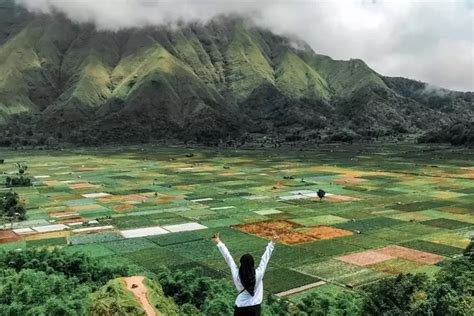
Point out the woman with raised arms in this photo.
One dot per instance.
(247, 279)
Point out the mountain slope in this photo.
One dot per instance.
(207, 83)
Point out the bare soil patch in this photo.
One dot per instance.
(124, 198)
(289, 232)
(62, 214)
(366, 258)
(326, 232)
(122, 208)
(350, 180)
(7, 236)
(82, 185)
(72, 220)
(135, 285)
(340, 198)
(455, 210)
(282, 228)
(52, 183)
(279, 185)
(184, 187)
(291, 238)
(411, 254)
(166, 199)
(88, 207)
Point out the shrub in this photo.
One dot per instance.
(20, 181)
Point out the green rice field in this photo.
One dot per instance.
(388, 209)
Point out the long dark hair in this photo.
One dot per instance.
(247, 273)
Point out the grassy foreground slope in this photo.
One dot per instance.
(115, 299)
(209, 82)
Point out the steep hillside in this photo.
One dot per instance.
(116, 298)
(62, 82)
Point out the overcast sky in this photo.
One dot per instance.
(427, 40)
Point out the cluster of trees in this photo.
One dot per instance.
(50, 282)
(459, 133)
(21, 180)
(196, 294)
(10, 207)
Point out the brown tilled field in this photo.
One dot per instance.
(7, 236)
(411, 254)
(62, 214)
(291, 238)
(82, 185)
(122, 208)
(371, 257)
(289, 233)
(366, 258)
(87, 207)
(72, 220)
(340, 198)
(124, 198)
(326, 232)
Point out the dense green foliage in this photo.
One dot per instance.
(77, 265)
(50, 282)
(10, 207)
(345, 303)
(459, 133)
(221, 81)
(194, 292)
(31, 292)
(398, 295)
(20, 181)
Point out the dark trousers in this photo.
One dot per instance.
(254, 310)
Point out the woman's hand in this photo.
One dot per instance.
(275, 237)
(216, 238)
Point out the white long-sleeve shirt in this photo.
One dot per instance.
(244, 298)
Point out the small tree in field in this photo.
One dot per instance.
(321, 194)
(22, 167)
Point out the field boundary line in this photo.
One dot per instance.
(300, 289)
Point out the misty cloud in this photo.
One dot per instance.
(432, 41)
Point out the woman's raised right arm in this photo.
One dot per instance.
(228, 259)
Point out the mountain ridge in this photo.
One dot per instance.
(212, 82)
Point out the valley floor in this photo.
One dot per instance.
(388, 209)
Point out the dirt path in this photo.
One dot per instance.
(136, 286)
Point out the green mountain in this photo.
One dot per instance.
(227, 79)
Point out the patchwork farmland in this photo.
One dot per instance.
(387, 209)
